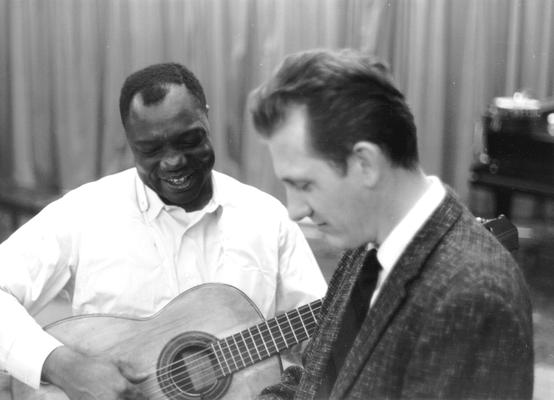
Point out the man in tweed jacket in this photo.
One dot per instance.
(450, 316)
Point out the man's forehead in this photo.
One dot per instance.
(176, 100)
(293, 129)
(289, 145)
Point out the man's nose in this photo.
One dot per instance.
(297, 207)
(173, 160)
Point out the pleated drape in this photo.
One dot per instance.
(62, 63)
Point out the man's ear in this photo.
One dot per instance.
(368, 158)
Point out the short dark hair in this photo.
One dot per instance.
(349, 97)
(153, 84)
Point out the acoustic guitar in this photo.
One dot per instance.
(210, 342)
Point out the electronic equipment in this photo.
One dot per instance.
(518, 138)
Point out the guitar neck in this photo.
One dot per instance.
(270, 337)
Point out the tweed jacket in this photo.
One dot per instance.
(452, 321)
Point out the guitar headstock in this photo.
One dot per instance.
(504, 230)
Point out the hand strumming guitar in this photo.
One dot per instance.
(91, 378)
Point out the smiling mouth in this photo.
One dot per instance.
(178, 182)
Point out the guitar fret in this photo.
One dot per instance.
(262, 339)
(272, 338)
(281, 331)
(298, 323)
(305, 329)
(247, 348)
(254, 343)
(291, 327)
(281, 340)
(223, 354)
(285, 329)
(313, 314)
(231, 354)
(239, 351)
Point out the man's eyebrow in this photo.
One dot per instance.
(195, 130)
(146, 142)
(295, 182)
(290, 181)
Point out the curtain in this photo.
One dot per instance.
(62, 63)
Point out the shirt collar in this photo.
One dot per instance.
(151, 205)
(396, 242)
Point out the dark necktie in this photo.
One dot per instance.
(355, 313)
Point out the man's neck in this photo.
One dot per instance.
(401, 190)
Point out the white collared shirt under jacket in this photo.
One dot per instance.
(404, 232)
(116, 248)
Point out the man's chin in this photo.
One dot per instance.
(190, 200)
(174, 199)
(334, 241)
(341, 242)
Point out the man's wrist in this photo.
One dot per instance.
(26, 358)
(53, 369)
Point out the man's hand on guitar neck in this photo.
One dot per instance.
(91, 378)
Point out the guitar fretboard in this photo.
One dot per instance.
(270, 337)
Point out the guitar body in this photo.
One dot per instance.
(162, 344)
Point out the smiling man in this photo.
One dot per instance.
(425, 303)
(131, 242)
(167, 130)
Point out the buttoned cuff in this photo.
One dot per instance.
(27, 356)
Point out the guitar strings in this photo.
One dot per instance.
(266, 328)
(205, 365)
(264, 325)
(233, 354)
(201, 372)
(240, 363)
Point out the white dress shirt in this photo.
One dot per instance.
(403, 233)
(116, 248)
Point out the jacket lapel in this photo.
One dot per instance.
(392, 294)
(335, 302)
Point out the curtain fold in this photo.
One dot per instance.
(62, 63)
(6, 140)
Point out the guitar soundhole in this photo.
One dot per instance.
(188, 369)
